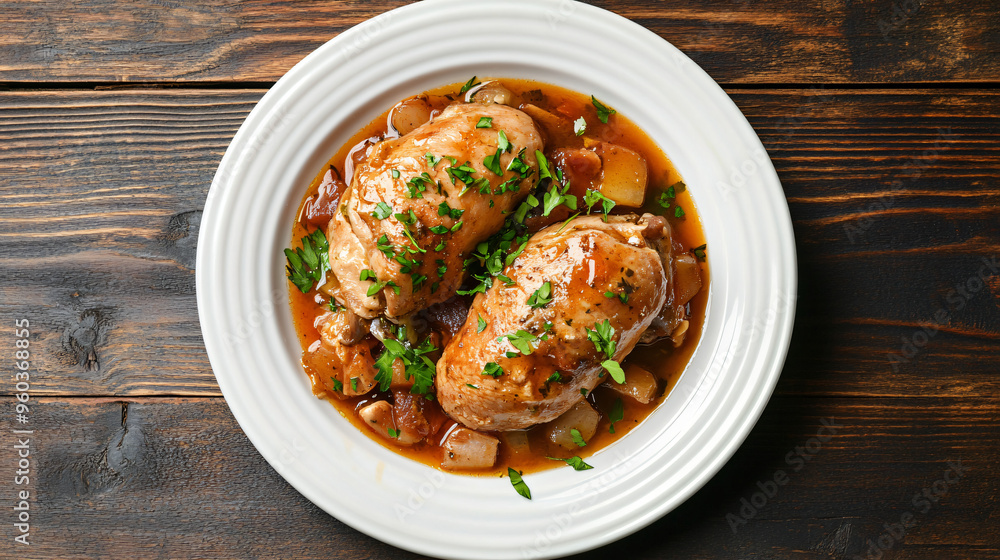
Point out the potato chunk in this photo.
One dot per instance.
(466, 449)
(624, 175)
(639, 384)
(582, 417)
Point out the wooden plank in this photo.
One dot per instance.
(176, 478)
(101, 194)
(737, 41)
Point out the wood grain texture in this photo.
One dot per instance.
(736, 41)
(176, 478)
(101, 196)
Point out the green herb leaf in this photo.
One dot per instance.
(432, 159)
(382, 211)
(592, 197)
(575, 462)
(393, 433)
(492, 162)
(309, 263)
(583, 391)
(617, 414)
(471, 386)
(602, 337)
(577, 437)
(543, 166)
(493, 369)
(502, 142)
(522, 340)
(678, 212)
(699, 252)
(541, 297)
(354, 384)
(580, 126)
(485, 122)
(395, 174)
(518, 482)
(368, 274)
(338, 385)
(469, 85)
(603, 111)
(556, 377)
(482, 325)
(440, 230)
(615, 369)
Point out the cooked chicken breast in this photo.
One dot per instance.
(419, 204)
(596, 272)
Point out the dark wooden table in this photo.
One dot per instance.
(882, 118)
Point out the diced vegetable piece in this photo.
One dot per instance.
(582, 417)
(466, 449)
(409, 114)
(490, 92)
(378, 417)
(687, 281)
(639, 384)
(624, 175)
(346, 363)
(516, 440)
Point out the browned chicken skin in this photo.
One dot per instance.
(409, 177)
(582, 261)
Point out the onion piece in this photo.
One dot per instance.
(466, 449)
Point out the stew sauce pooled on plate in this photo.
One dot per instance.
(497, 277)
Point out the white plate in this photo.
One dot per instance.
(344, 84)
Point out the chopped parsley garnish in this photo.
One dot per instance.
(678, 211)
(354, 384)
(445, 210)
(583, 391)
(575, 462)
(383, 244)
(543, 166)
(485, 122)
(338, 385)
(521, 340)
(440, 230)
(541, 297)
(622, 296)
(416, 365)
(393, 433)
(556, 196)
(492, 162)
(699, 252)
(519, 486)
(395, 174)
(615, 369)
(617, 414)
(407, 218)
(418, 184)
(556, 377)
(481, 325)
(603, 111)
(493, 369)
(592, 197)
(471, 386)
(382, 211)
(502, 142)
(469, 85)
(577, 437)
(602, 337)
(457, 226)
(377, 287)
(368, 274)
(580, 126)
(432, 159)
(308, 263)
